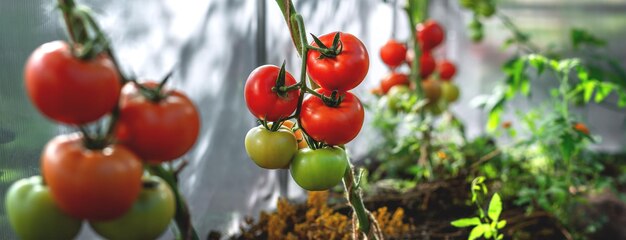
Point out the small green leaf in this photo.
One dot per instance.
(495, 207)
(603, 91)
(589, 87)
(622, 99)
(494, 119)
(466, 222)
(500, 236)
(488, 233)
(476, 232)
(580, 37)
(501, 224)
(538, 61)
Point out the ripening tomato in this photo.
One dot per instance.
(298, 133)
(271, 150)
(582, 128)
(70, 90)
(446, 70)
(94, 184)
(429, 35)
(449, 92)
(160, 129)
(334, 125)
(393, 53)
(427, 64)
(393, 79)
(342, 72)
(149, 217)
(264, 103)
(396, 95)
(376, 91)
(320, 169)
(432, 90)
(33, 214)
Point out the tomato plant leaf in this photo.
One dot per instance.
(495, 207)
(501, 224)
(477, 232)
(538, 62)
(494, 118)
(466, 222)
(580, 37)
(588, 90)
(602, 91)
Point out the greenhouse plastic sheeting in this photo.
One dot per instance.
(212, 46)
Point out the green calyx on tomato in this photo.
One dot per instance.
(33, 213)
(271, 149)
(328, 52)
(154, 92)
(280, 89)
(148, 218)
(320, 169)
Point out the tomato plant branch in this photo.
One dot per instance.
(78, 21)
(353, 194)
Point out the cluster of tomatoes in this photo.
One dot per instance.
(96, 176)
(436, 77)
(326, 119)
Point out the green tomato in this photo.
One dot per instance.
(486, 8)
(396, 95)
(149, 217)
(449, 91)
(476, 35)
(469, 4)
(320, 169)
(33, 214)
(436, 109)
(271, 150)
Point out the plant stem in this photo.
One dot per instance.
(353, 194)
(66, 7)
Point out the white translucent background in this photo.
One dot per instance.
(214, 44)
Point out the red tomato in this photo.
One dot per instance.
(342, 72)
(427, 64)
(393, 53)
(157, 131)
(262, 102)
(446, 70)
(429, 35)
(70, 90)
(91, 184)
(393, 79)
(332, 125)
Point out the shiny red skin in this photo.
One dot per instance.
(429, 35)
(343, 72)
(427, 65)
(393, 79)
(67, 89)
(332, 125)
(447, 70)
(91, 184)
(262, 102)
(157, 131)
(393, 53)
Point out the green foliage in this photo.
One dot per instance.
(483, 226)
